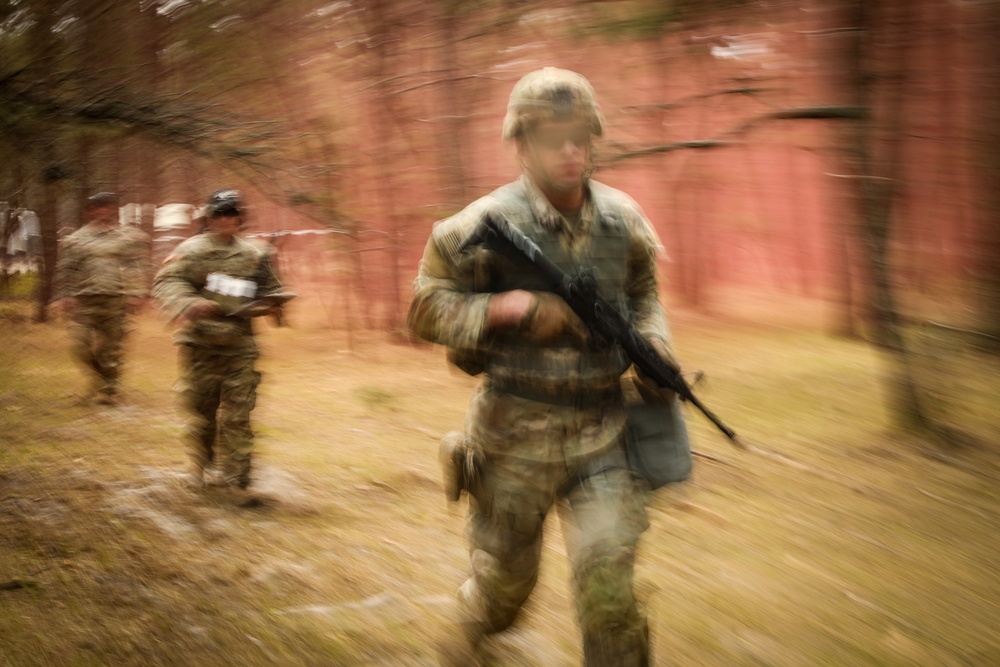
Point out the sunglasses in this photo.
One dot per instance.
(554, 139)
(226, 213)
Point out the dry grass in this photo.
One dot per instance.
(840, 545)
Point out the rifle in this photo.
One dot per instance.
(607, 326)
(264, 303)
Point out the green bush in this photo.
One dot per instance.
(20, 286)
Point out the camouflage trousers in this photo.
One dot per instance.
(218, 393)
(98, 335)
(603, 515)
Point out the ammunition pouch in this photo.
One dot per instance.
(461, 464)
(657, 444)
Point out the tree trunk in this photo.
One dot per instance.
(452, 110)
(48, 225)
(384, 116)
(46, 169)
(989, 260)
(692, 225)
(149, 154)
(878, 188)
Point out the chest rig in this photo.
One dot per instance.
(563, 371)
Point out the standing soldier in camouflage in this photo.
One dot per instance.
(546, 426)
(101, 277)
(201, 284)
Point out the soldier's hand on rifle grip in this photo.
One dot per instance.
(539, 316)
(552, 318)
(507, 310)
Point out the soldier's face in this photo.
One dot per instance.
(558, 153)
(104, 214)
(225, 225)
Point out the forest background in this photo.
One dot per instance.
(823, 174)
(837, 151)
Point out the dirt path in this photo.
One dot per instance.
(837, 546)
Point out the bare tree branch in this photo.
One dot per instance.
(686, 101)
(828, 112)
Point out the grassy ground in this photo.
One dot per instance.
(835, 544)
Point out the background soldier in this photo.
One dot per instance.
(547, 424)
(102, 275)
(205, 280)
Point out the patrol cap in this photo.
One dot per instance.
(102, 199)
(551, 94)
(223, 202)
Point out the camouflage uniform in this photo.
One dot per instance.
(548, 421)
(101, 267)
(217, 354)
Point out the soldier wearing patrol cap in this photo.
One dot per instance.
(204, 285)
(102, 276)
(547, 425)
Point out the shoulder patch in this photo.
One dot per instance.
(451, 233)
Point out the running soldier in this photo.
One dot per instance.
(102, 276)
(206, 285)
(546, 426)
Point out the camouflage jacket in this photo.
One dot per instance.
(98, 260)
(453, 288)
(195, 270)
(451, 291)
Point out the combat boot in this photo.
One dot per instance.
(86, 399)
(108, 398)
(616, 648)
(213, 477)
(462, 641)
(200, 471)
(244, 497)
(461, 647)
(237, 483)
(194, 475)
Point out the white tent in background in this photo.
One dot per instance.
(172, 216)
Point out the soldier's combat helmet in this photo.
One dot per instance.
(551, 94)
(224, 202)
